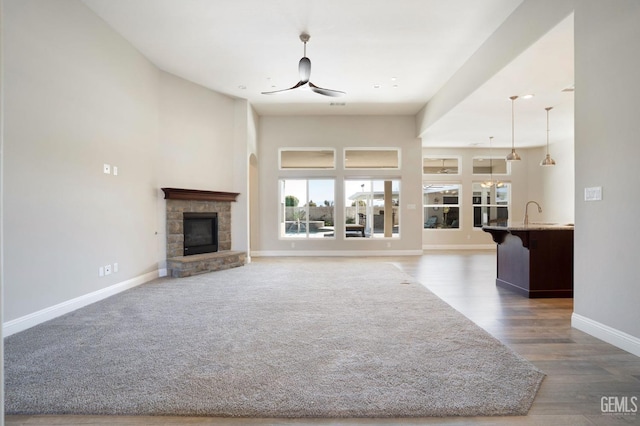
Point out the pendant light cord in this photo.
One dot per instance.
(513, 132)
(548, 108)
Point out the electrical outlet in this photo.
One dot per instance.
(101, 271)
(106, 168)
(115, 267)
(388, 245)
(107, 270)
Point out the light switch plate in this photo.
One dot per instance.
(593, 194)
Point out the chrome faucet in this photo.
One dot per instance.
(526, 211)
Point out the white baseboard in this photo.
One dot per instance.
(334, 253)
(33, 319)
(608, 334)
(459, 247)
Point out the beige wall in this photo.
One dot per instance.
(551, 187)
(531, 20)
(607, 56)
(193, 153)
(78, 95)
(1, 211)
(201, 145)
(338, 132)
(607, 53)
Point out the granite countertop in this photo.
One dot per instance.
(532, 227)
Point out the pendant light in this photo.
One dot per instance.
(548, 161)
(513, 155)
(489, 183)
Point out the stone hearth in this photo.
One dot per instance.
(179, 201)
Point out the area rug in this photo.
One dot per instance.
(273, 339)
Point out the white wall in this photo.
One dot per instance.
(339, 132)
(607, 56)
(77, 96)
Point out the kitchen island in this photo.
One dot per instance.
(534, 260)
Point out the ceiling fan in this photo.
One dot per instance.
(304, 69)
(444, 170)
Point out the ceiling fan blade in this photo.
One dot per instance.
(326, 92)
(304, 69)
(300, 83)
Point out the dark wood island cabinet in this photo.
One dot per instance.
(534, 260)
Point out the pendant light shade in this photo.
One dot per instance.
(513, 155)
(490, 183)
(548, 161)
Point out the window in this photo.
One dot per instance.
(491, 205)
(489, 165)
(440, 166)
(365, 158)
(441, 205)
(307, 208)
(312, 158)
(371, 208)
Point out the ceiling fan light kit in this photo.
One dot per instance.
(304, 70)
(490, 183)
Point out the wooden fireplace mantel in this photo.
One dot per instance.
(198, 195)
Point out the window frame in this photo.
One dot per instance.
(509, 187)
(282, 212)
(491, 157)
(458, 158)
(370, 216)
(306, 149)
(364, 148)
(436, 206)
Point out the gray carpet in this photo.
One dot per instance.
(295, 339)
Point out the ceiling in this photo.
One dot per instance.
(389, 57)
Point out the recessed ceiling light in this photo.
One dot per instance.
(529, 96)
(242, 87)
(394, 78)
(571, 88)
(376, 86)
(395, 86)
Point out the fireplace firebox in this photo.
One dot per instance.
(200, 233)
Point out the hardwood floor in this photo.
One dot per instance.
(580, 369)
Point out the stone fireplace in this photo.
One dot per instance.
(189, 203)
